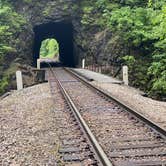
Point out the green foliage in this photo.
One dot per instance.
(135, 3)
(141, 27)
(86, 20)
(90, 13)
(75, 8)
(4, 82)
(49, 48)
(11, 24)
(27, 1)
(137, 71)
(129, 60)
(157, 72)
(134, 25)
(65, 7)
(144, 29)
(47, 11)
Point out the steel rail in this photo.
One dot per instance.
(155, 127)
(98, 149)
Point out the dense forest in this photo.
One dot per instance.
(140, 29)
(137, 27)
(11, 24)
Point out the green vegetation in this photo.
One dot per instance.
(27, 1)
(49, 49)
(11, 25)
(140, 27)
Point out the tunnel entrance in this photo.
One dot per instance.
(63, 33)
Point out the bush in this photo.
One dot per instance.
(157, 72)
(4, 84)
(11, 24)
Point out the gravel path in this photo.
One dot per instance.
(155, 110)
(28, 129)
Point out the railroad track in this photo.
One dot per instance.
(78, 145)
(126, 138)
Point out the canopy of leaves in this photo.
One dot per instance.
(141, 27)
(11, 24)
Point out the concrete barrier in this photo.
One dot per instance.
(125, 75)
(19, 80)
(38, 63)
(83, 63)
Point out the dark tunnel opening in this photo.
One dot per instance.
(63, 33)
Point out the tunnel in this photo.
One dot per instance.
(63, 33)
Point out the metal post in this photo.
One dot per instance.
(19, 80)
(125, 75)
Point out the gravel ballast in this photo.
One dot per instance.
(28, 134)
(152, 109)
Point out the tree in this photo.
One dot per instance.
(49, 49)
(11, 24)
